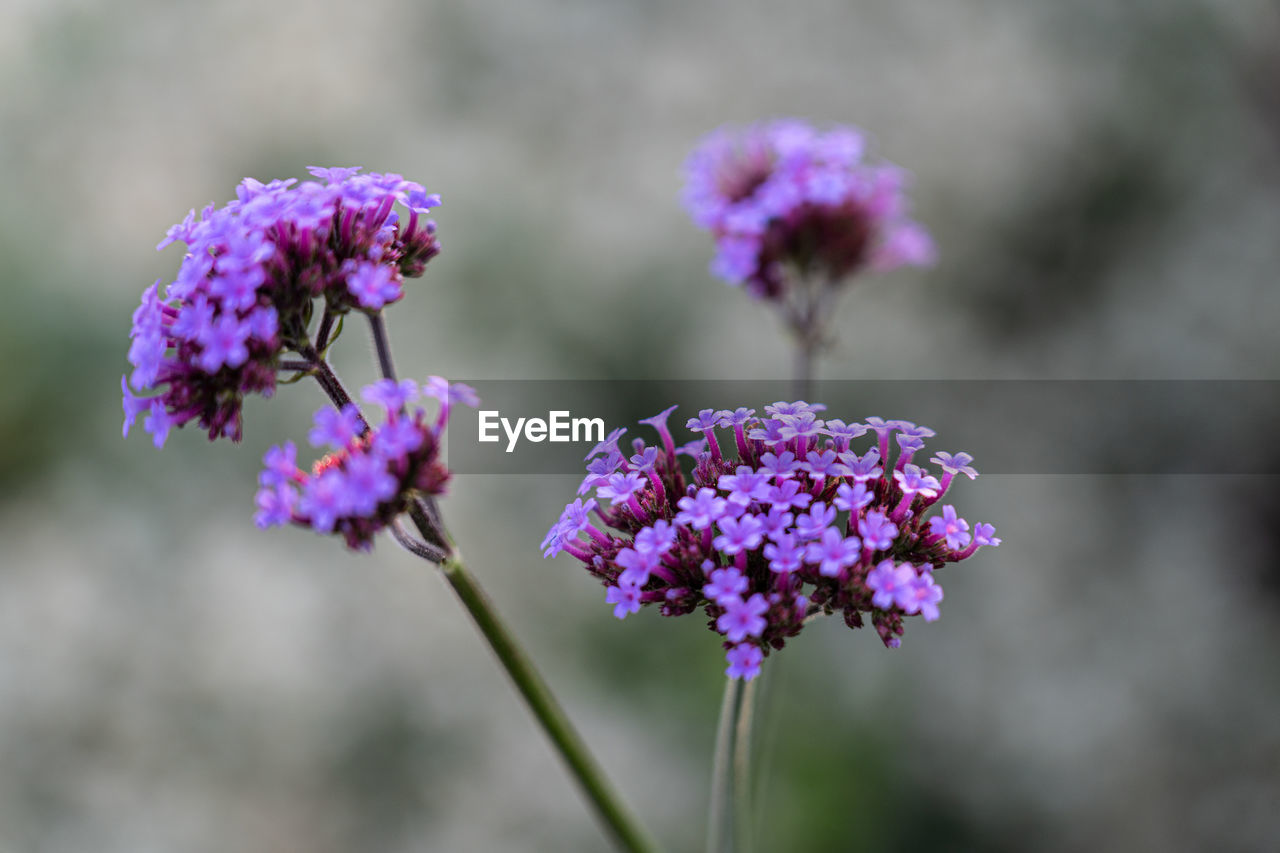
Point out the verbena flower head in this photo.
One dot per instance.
(372, 474)
(245, 291)
(759, 542)
(783, 197)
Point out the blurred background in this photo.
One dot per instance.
(1103, 180)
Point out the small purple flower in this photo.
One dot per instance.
(725, 584)
(787, 495)
(739, 535)
(745, 486)
(159, 421)
(636, 566)
(909, 444)
(707, 419)
(961, 463)
(853, 498)
(844, 433)
(373, 285)
(692, 449)
(802, 425)
(784, 554)
(391, 395)
(913, 481)
(702, 510)
(180, 232)
(644, 461)
(610, 443)
(863, 468)
(275, 506)
(225, 343)
(737, 417)
(368, 484)
(659, 422)
(776, 522)
(742, 619)
(397, 438)
(336, 428)
(955, 530)
(744, 661)
(656, 540)
(889, 581)
(335, 174)
(133, 406)
(574, 520)
(620, 487)
(920, 595)
(448, 393)
(877, 531)
(599, 469)
(324, 499)
(783, 409)
(281, 465)
(985, 534)
(264, 323)
(781, 466)
(833, 553)
(910, 429)
(824, 464)
(812, 524)
(625, 598)
(907, 245)
(882, 428)
(194, 319)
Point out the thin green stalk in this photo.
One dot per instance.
(802, 378)
(608, 805)
(729, 821)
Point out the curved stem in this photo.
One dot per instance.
(626, 831)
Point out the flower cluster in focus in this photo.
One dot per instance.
(245, 290)
(781, 519)
(781, 197)
(372, 474)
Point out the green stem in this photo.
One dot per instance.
(608, 805)
(802, 378)
(729, 821)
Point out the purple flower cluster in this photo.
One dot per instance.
(372, 475)
(782, 196)
(245, 291)
(779, 519)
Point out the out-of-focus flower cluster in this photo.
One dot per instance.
(245, 291)
(372, 474)
(782, 198)
(781, 521)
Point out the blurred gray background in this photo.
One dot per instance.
(1103, 180)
